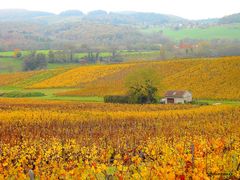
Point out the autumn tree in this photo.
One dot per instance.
(142, 86)
(17, 53)
(34, 61)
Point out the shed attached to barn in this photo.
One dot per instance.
(177, 97)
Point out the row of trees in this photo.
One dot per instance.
(70, 56)
(190, 49)
(35, 60)
(61, 57)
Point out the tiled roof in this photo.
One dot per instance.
(175, 93)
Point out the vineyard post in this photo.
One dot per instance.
(31, 174)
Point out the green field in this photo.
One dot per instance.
(10, 65)
(77, 55)
(50, 94)
(24, 53)
(214, 32)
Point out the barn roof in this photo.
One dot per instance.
(175, 93)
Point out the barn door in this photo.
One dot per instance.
(170, 100)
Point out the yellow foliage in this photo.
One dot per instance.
(205, 78)
(64, 140)
(212, 78)
(78, 76)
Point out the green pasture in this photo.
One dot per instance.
(214, 32)
(50, 94)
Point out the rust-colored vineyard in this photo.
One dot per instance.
(63, 140)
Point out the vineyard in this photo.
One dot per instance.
(92, 91)
(25, 79)
(78, 76)
(212, 78)
(66, 140)
(206, 78)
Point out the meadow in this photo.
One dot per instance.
(69, 140)
(12, 65)
(229, 31)
(8, 65)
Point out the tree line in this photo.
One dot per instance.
(37, 60)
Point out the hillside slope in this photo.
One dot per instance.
(206, 78)
(114, 84)
(25, 79)
(216, 78)
(213, 79)
(234, 18)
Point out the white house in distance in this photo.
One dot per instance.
(177, 97)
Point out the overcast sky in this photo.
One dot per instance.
(191, 9)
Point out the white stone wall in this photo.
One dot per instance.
(178, 100)
(188, 97)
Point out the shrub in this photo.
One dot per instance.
(143, 93)
(34, 61)
(116, 99)
(16, 94)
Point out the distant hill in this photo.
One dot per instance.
(235, 18)
(101, 30)
(97, 13)
(29, 30)
(30, 36)
(208, 21)
(98, 16)
(133, 18)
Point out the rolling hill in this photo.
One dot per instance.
(206, 78)
(216, 78)
(105, 31)
(235, 18)
(98, 16)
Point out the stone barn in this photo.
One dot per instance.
(177, 97)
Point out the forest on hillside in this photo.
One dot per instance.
(99, 31)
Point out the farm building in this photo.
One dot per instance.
(177, 97)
